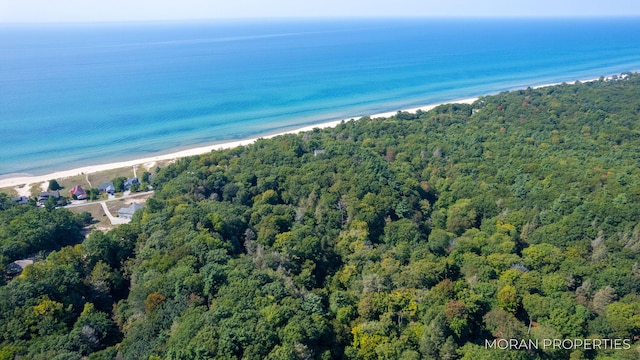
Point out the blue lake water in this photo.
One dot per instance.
(75, 95)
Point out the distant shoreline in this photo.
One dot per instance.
(19, 180)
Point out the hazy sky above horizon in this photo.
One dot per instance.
(150, 10)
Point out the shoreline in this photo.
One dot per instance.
(22, 180)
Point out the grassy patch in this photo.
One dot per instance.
(88, 181)
(9, 191)
(70, 182)
(97, 213)
(35, 189)
(96, 179)
(118, 204)
(102, 177)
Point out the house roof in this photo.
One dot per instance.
(47, 194)
(17, 266)
(77, 190)
(23, 263)
(21, 200)
(130, 210)
(107, 186)
(130, 181)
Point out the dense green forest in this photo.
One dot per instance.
(28, 230)
(419, 236)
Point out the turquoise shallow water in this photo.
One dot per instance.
(75, 95)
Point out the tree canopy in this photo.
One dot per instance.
(414, 236)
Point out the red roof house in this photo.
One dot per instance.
(78, 192)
